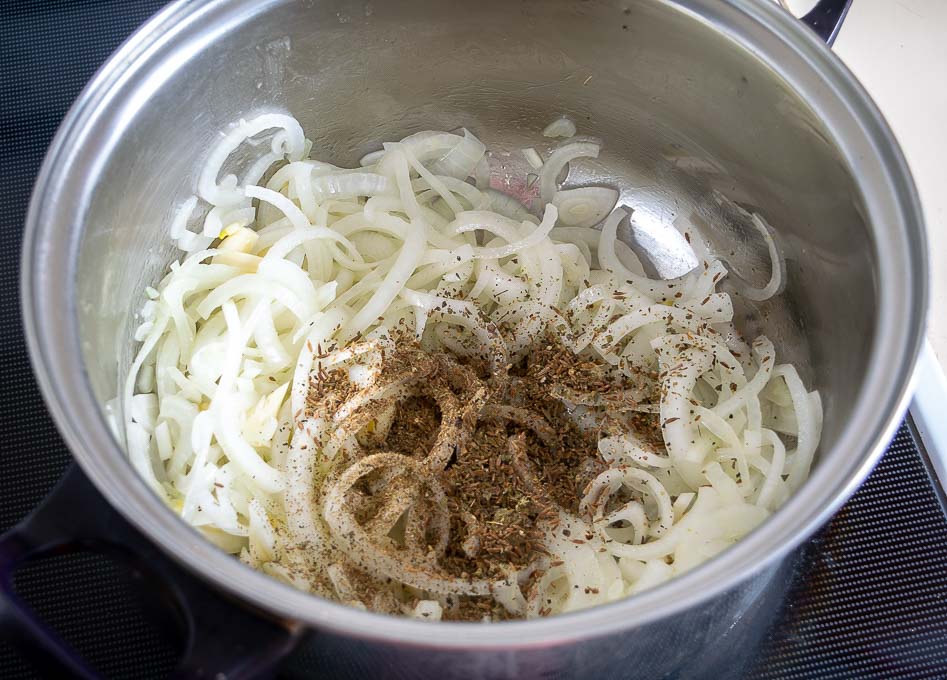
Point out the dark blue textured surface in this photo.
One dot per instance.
(872, 602)
(48, 50)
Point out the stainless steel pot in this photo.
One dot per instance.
(705, 107)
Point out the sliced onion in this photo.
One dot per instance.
(353, 184)
(586, 206)
(558, 160)
(462, 160)
(292, 144)
(408, 258)
(777, 266)
(354, 541)
(560, 127)
(507, 206)
(535, 237)
(533, 158)
(371, 158)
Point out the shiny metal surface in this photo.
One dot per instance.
(707, 108)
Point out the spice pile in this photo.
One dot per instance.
(504, 450)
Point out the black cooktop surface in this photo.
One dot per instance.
(870, 600)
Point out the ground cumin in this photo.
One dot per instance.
(506, 480)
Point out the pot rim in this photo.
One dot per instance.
(820, 78)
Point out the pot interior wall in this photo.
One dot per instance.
(696, 131)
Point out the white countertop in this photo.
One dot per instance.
(898, 50)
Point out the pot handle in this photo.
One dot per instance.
(826, 18)
(224, 639)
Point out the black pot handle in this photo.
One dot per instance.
(225, 639)
(826, 18)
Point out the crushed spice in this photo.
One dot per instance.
(523, 456)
